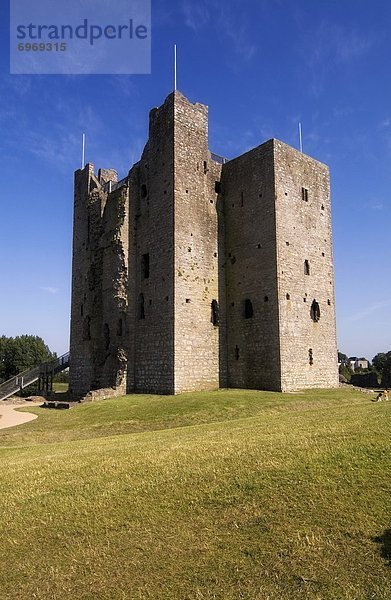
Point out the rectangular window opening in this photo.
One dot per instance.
(248, 309)
(215, 313)
(145, 266)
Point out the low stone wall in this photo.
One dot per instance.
(102, 394)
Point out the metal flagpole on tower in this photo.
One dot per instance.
(83, 152)
(300, 138)
(175, 68)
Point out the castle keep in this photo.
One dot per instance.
(194, 273)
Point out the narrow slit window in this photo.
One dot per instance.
(315, 311)
(304, 194)
(120, 328)
(141, 307)
(87, 329)
(215, 313)
(310, 356)
(248, 309)
(145, 266)
(106, 335)
(144, 191)
(306, 267)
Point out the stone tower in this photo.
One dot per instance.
(195, 273)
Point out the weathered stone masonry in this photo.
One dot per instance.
(195, 273)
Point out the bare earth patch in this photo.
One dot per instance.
(9, 417)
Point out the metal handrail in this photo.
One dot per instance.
(29, 376)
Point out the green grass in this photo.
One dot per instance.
(227, 495)
(60, 387)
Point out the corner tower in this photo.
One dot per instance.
(173, 254)
(281, 332)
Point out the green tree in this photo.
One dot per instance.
(342, 358)
(346, 371)
(21, 353)
(386, 375)
(3, 344)
(345, 368)
(379, 361)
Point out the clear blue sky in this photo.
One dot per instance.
(261, 66)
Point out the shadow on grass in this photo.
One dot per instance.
(384, 542)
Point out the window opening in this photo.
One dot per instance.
(215, 313)
(315, 311)
(248, 309)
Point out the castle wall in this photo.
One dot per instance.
(253, 357)
(98, 356)
(81, 359)
(111, 360)
(303, 224)
(151, 285)
(196, 251)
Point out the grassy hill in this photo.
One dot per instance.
(227, 495)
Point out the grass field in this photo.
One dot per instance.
(226, 495)
(60, 387)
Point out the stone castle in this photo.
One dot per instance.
(195, 273)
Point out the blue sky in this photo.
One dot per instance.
(261, 66)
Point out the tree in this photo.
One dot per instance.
(345, 368)
(3, 343)
(342, 358)
(21, 353)
(346, 371)
(386, 375)
(379, 361)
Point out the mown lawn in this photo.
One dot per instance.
(60, 387)
(227, 495)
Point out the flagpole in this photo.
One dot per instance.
(300, 138)
(83, 151)
(175, 68)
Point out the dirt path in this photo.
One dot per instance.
(9, 417)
